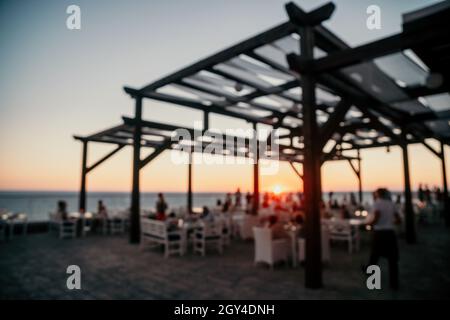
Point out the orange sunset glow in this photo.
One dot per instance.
(61, 172)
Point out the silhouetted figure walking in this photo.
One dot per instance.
(384, 242)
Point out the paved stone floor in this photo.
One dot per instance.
(33, 267)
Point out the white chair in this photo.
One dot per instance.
(236, 220)
(116, 225)
(2, 230)
(103, 224)
(155, 232)
(245, 226)
(64, 228)
(226, 228)
(116, 221)
(68, 229)
(268, 250)
(209, 233)
(342, 230)
(325, 242)
(20, 219)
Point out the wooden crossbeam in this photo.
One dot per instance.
(103, 159)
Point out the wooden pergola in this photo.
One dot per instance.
(324, 100)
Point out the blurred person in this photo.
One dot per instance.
(421, 193)
(344, 213)
(330, 199)
(427, 193)
(161, 207)
(248, 200)
(238, 198)
(171, 221)
(353, 199)
(101, 210)
(228, 203)
(384, 241)
(324, 213)
(61, 212)
(206, 214)
(277, 228)
(335, 204)
(344, 200)
(266, 197)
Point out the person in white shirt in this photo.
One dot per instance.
(384, 242)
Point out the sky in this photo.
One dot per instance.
(56, 82)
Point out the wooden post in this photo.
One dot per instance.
(256, 173)
(311, 169)
(444, 187)
(189, 195)
(409, 212)
(82, 200)
(360, 194)
(205, 120)
(135, 193)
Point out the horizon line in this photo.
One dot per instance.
(167, 191)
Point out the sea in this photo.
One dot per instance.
(38, 204)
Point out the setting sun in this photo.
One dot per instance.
(277, 189)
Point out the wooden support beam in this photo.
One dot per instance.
(255, 198)
(329, 128)
(436, 153)
(444, 187)
(192, 132)
(230, 99)
(355, 169)
(296, 171)
(370, 51)
(253, 84)
(135, 228)
(205, 120)
(336, 148)
(189, 194)
(311, 168)
(261, 39)
(103, 159)
(158, 150)
(360, 193)
(350, 56)
(82, 199)
(275, 65)
(105, 132)
(195, 105)
(410, 228)
(340, 84)
(312, 18)
(423, 90)
(104, 139)
(430, 116)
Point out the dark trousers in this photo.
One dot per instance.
(384, 244)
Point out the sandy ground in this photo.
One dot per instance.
(34, 267)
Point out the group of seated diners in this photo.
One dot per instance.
(98, 219)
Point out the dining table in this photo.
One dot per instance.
(10, 220)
